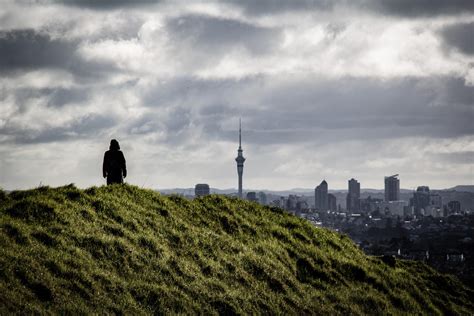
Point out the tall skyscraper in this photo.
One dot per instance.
(240, 160)
(392, 188)
(352, 200)
(321, 196)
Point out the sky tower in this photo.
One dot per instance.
(240, 160)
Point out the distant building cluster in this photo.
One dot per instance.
(423, 202)
(259, 197)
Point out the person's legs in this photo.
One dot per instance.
(113, 178)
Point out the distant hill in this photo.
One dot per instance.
(367, 190)
(463, 188)
(125, 250)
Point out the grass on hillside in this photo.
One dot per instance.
(122, 249)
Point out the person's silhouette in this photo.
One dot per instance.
(114, 167)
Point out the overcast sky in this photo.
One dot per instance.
(325, 89)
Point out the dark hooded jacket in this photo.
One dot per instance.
(114, 166)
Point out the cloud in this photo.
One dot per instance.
(210, 34)
(350, 108)
(404, 8)
(281, 6)
(85, 127)
(28, 50)
(108, 4)
(57, 97)
(420, 8)
(459, 37)
(308, 109)
(61, 97)
(334, 49)
(250, 7)
(275, 110)
(462, 157)
(399, 8)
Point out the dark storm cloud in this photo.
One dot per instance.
(402, 8)
(294, 110)
(108, 4)
(453, 91)
(280, 6)
(371, 109)
(250, 6)
(460, 37)
(415, 8)
(219, 35)
(86, 127)
(28, 49)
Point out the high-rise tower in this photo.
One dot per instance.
(392, 188)
(353, 196)
(240, 160)
(321, 196)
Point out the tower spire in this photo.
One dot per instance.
(240, 132)
(240, 159)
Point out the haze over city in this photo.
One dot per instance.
(326, 90)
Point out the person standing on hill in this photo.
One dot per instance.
(114, 167)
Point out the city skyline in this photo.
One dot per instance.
(321, 95)
(310, 191)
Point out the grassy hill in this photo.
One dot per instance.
(122, 249)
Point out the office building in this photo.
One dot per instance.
(252, 196)
(392, 208)
(436, 200)
(353, 196)
(201, 189)
(291, 202)
(369, 204)
(392, 188)
(454, 207)
(420, 200)
(321, 196)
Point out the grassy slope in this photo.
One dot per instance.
(125, 249)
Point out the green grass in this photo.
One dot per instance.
(122, 249)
